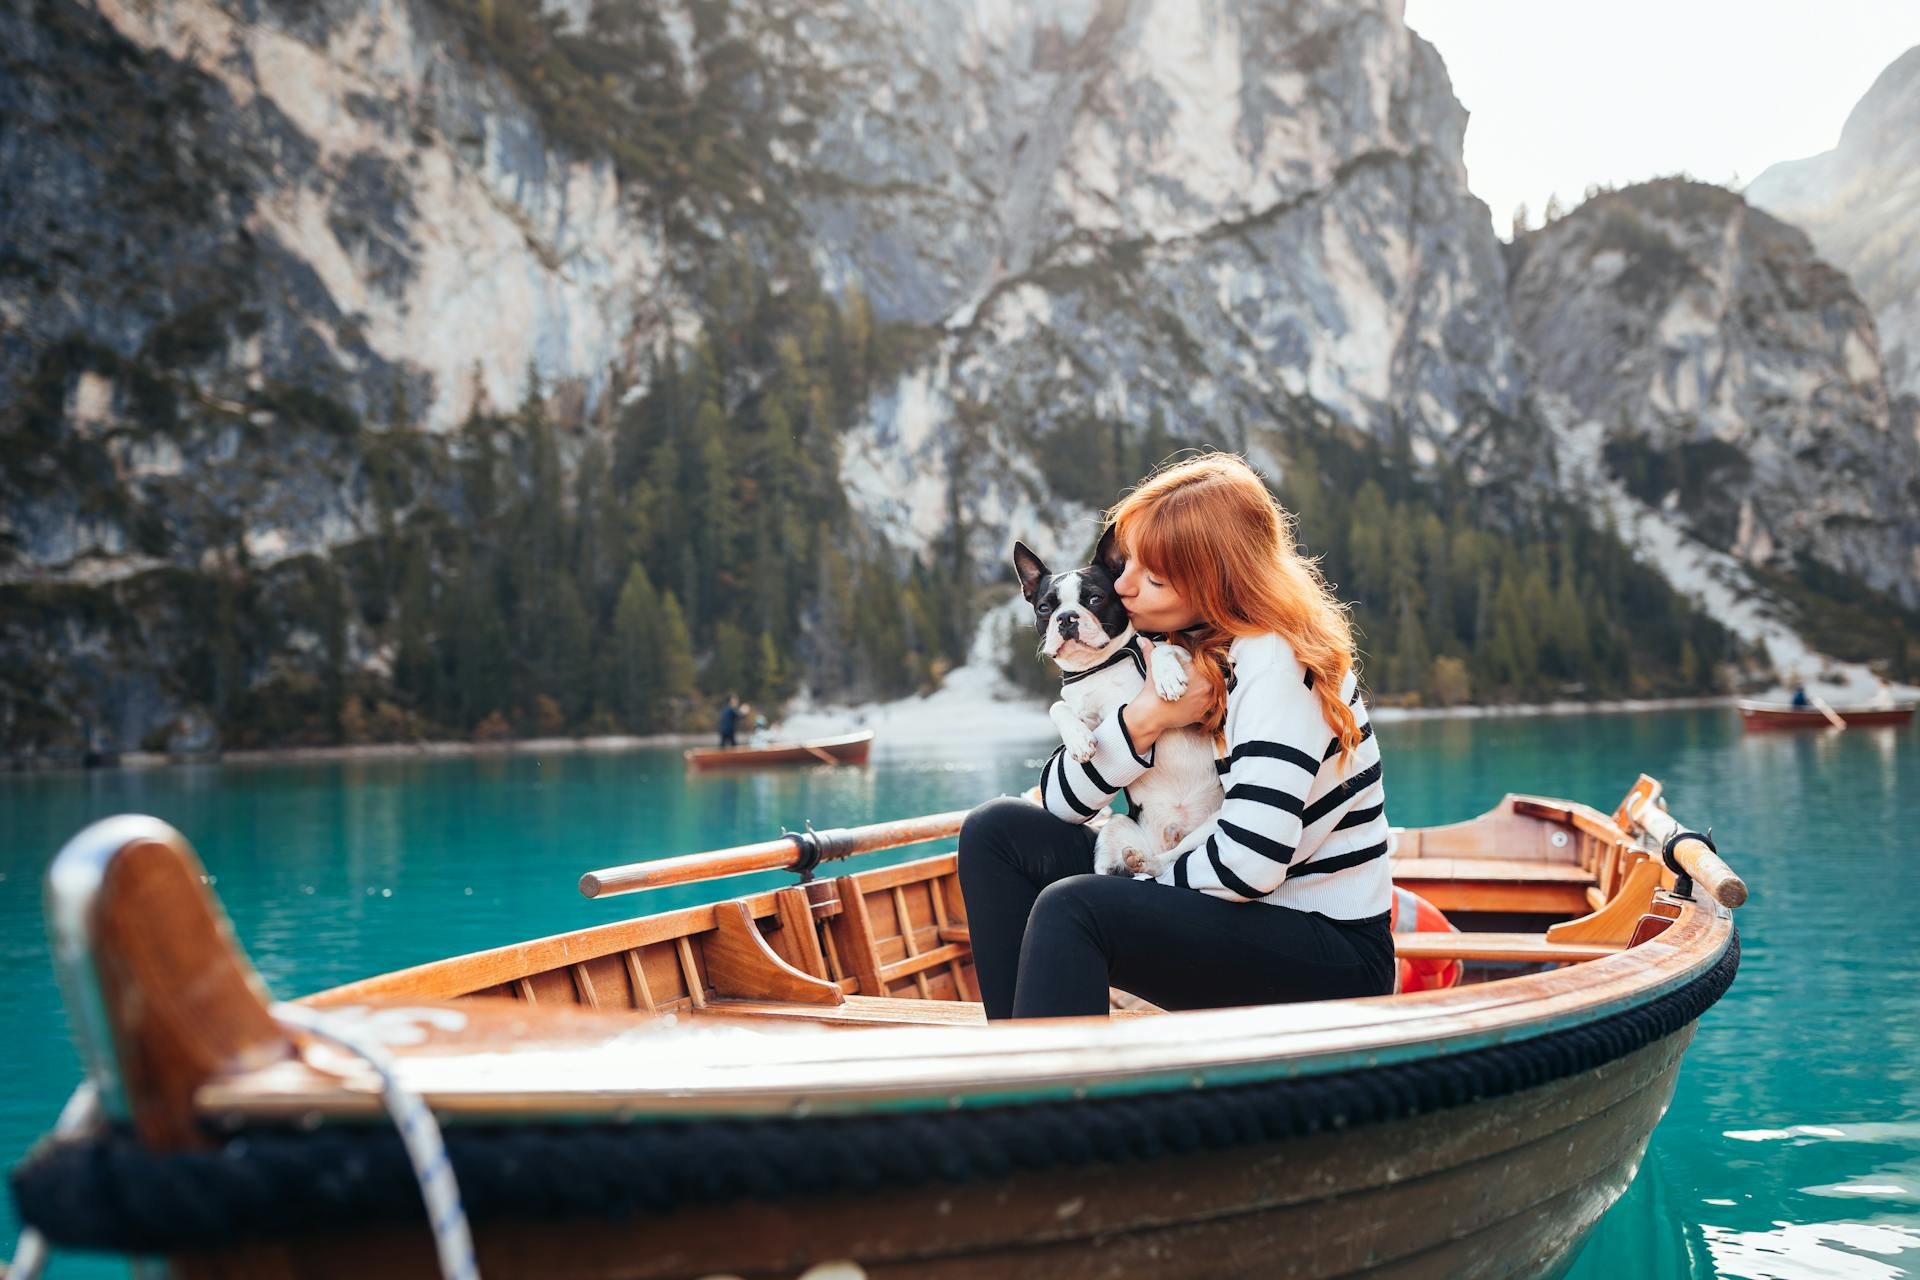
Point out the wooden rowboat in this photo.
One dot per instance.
(848, 748)
(799, 1081)
(1784, 715)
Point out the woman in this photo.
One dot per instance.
(1284, 895)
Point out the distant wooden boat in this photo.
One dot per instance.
(1784, 715)
(848, 748)
(802, 1076)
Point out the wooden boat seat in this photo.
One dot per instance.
(856, 1011)
(1496, 869)
(867, 1011)
(1527, 885)
(1525, 948)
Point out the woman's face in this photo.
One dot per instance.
(1151, 601)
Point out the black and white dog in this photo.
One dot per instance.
(1085, 631)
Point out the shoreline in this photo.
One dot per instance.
(1560, 707)
(1019, 718)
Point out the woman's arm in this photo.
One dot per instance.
(1076, 791)
(1277, 739)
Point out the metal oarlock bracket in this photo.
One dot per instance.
(1683, 883)
(807, 844)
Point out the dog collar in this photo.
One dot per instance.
(1130, 650)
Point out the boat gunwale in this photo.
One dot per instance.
(1021, 1063)
(893, 1066)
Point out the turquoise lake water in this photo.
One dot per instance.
(1792, 1149)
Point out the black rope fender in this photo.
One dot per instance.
(110, 1192)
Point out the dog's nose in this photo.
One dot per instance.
(1069, 623)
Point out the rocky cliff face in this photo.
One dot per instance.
(1860, 202)
(1736, 375)
(234, 237)
(1153, 224)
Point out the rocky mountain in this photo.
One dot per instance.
(1860, 202)
(1736, 375)
(421, 355)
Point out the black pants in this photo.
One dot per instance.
(726, 738)
(1049, 936)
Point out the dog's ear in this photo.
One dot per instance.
(1030, 568)
(1108, 554)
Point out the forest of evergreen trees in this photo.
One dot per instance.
(1455, 600)
(705, 549)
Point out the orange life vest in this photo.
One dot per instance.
(1414, 914)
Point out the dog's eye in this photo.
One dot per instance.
(1094, 599)
(1046, 608)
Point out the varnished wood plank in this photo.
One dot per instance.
(942, 864)
(862, 951)
(920, 962)
(1614, 921)
(465, 974)
(1528, 948)
(637, 976)
(696, 990)
(800, 933)
(906, 936)
(583, 986)
(1495, 869)
(741, 964)
(937, 894)
(866, 1010)
(1526, 899)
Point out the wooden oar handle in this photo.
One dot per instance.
(1708, 869)
(789, 851)
(1641, 809)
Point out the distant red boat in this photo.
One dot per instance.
(849, 748)
(1782, 715)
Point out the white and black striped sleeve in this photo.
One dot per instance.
(1076, 791)
(1276, 736)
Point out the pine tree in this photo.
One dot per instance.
(638, 677)
(417, 667)
(569, 648)
(729, 667)
(677, 690)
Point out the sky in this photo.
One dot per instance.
(1563, 95)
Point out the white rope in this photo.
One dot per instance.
(30, 1251)
(419, 1132)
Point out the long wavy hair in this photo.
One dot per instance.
(1208, 527)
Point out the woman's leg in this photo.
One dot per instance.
(1187, 950)
(1010, 850)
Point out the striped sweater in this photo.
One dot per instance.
(1298, 828)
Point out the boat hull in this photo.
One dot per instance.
(1513, 1184)
(1758, 716)
(852, 748)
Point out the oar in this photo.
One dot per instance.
(1833, 717)
(1642, 809)
(822, 755)
(796, 850)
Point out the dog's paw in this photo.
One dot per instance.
(1116, 851)
(1169, 672)
(1152, 865)
(1078, 739)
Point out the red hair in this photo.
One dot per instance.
(1209, 528)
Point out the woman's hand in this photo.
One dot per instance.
(1148, 715)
